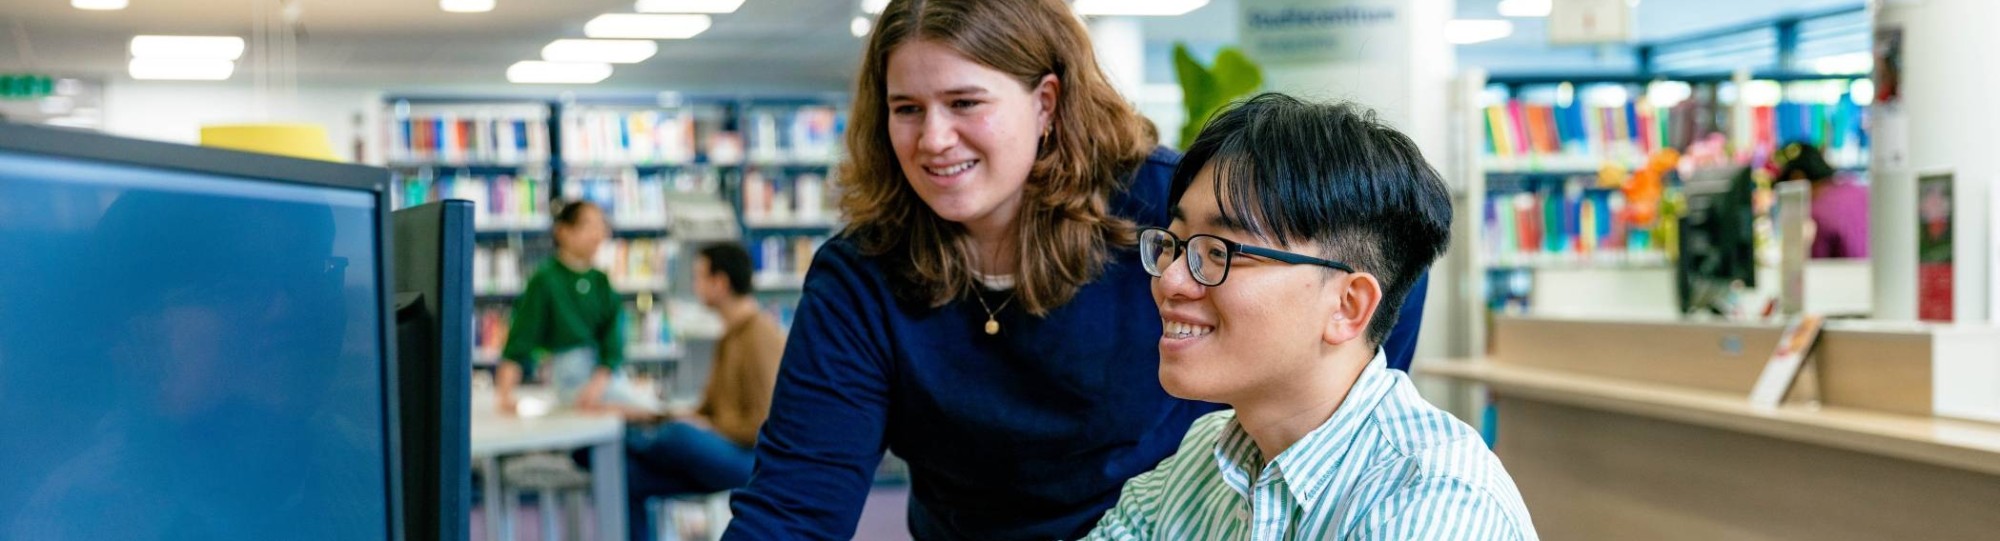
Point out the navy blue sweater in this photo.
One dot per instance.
(1025, 435)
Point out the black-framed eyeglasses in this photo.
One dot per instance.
(1209, 255)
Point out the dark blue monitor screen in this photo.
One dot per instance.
(187, 356)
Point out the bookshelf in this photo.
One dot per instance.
(670, 171)
(1555, 156)
(1551, 123)
(785, 198)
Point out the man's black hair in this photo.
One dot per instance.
(1328, 175)
(731, 259)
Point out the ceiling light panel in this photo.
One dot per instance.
(614, 51)
(196, 47)
(181, 69)
(645, 26)
(688, 6)
(1149, 8)
(98, 5)
(466, 6)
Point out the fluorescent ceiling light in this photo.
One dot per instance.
(615, 51)
(1606, 96)
(688, 6)
(1761, 93)
(1668, 93)
(1525, 8)
(1154, 8)
(874, 6)
(540, 72)
(182, 69)
(194, 47)
(1863, 93)
(645, 26)
(466, 6)
(98, 5)
(1470, 31)
(860, 26)
(1844, 64)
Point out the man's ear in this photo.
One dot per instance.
(1356, 297)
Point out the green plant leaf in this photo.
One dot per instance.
(1198, 85)
(1198, 92)
(1205, 90)
(1235, 74)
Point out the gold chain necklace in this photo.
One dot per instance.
(992, 323)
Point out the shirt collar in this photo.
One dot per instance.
(1308, 466)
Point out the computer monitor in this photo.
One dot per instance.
(1718, 239)
(194, 344)
(433, 277)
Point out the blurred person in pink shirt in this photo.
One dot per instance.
(1839, 202)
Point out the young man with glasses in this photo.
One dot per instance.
(1297, 228)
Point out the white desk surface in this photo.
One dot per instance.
(496, 434)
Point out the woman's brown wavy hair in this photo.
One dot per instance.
(1066, 231)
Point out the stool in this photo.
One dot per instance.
(551, 477)
(691, 518)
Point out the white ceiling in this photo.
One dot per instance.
(775, 44)
(802, 44)
(1660, 19)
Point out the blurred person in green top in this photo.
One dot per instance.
(569, 314)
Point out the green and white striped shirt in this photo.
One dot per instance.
(1388, 465)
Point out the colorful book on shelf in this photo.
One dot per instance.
(1518, 129)
(1527, 224)
(1642, 127)
(446, 135)
(419, 139)
(1551, 205)
(1572, 214)
(1621, 127)
(1499, 138)
(504, 146)
(1568, 220)
(1531, 120)
(1587, 237)
(1614, 126)
(1575, 135)
(1634, 131)
(638, 137)
(1763, 127)
(1837, 128)
(1559, 120)
(451, 138)
(1551, 142)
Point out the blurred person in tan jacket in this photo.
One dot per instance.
(709, 449)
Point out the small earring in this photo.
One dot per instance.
(1045, 134)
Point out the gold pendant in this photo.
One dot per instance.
(992, 327)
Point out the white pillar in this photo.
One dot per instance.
(1943, 120)
(1121, 52)
(1391, 56)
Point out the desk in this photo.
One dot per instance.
(495, 435)
(1610, 458)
